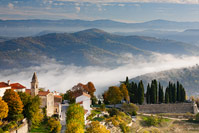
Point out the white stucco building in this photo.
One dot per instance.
(84, 100)
(3, 87)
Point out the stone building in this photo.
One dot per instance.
(47, 98)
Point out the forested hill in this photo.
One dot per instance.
(88, 47)
(189, 77)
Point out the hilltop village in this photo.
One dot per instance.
(127, 108)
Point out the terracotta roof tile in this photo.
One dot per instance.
(57, 96)
(3, 84)
(17, 86)
(80, 102)
(28, 91)
(43, 93)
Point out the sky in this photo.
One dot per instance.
(130, 11)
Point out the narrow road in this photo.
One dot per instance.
(63, 117)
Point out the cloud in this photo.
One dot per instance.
(55, 76)
(139, 1)
(10, 6)
(77, 9)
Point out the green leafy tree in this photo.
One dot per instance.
(14, 102)
(114, 95)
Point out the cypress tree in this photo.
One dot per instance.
(178, 91)
(148, 94)
(140, 93)
(153, 94)
(161, 94)
(174, 92)
(167, 95)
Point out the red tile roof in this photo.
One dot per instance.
(85, 94)
(80, 102)
(57, 96)
(3, 84)
(43, 93)
(16, 86)
(28, 91)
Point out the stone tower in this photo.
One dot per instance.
(34, 85)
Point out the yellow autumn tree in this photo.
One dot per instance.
(114, 95)
(74, 127)
(54, 125)
(3, 110)
(96, 127)
(125, 92)
(14, 102)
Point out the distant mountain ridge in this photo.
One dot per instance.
(84, 48)
(189, 77)
(161, 24)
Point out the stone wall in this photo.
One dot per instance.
(23, 128)
(168, 108)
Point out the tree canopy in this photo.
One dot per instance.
(3, 110)
(14, 102)
(114, 95)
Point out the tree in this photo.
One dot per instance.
(96, 127)
(124, 91)
(133, 92)
(140, 92)
(114, 95)
(3, 110)
(31, 109)
(148, 92)
(167, 95)
(161, 94)
(75, 111)
(55, 125)
(14, 102)
(105, 97)
(74, 127)
(93, 100)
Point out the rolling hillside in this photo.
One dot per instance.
(88, 47)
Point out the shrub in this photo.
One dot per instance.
(54, 125)
(1, 130)
(134, 113)
(197, 117)
(10, 125)
(124, 128)
(96, 127)
(113, 112)
(102, 107)
(153, 120)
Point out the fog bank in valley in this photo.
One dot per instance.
(55, 76)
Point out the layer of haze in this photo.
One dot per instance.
(55, 76)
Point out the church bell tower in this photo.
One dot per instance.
(34, 85)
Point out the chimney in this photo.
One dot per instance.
(8, 82)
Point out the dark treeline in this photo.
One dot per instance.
(155, 92)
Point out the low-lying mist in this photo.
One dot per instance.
(55, 76)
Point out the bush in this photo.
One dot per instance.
(10, 125)
(124, 128)
(102, 107)
(1, 130)
(134, 113)
(197, 117)
(54, 125)
(153, 120)
(113, 112)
